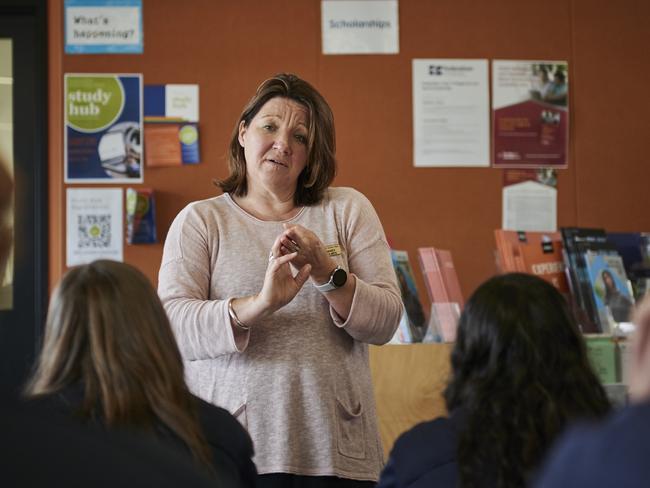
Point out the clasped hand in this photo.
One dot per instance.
(301, 248)
(310, 250)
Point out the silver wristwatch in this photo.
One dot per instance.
(338, 277)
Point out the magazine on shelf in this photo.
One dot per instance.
(510, 242)
(413, 326)
(537, 253)
(544, 259)
(601, 350)
(507, 249)
(440, 275)
(610, 288)
(443, 289)
(576, 240)
(443, 321)
(634, 248)
(624, 357)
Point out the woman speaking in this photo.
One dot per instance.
(275, 288)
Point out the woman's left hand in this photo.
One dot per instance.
(310, 249)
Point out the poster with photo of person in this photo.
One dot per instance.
(530, 114)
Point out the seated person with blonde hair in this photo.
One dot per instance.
(108, 405)
(110, 356)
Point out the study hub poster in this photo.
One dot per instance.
(530, 113)
(103, 128)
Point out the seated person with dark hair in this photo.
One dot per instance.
(614, 453)
(520, 374)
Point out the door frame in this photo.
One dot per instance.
(25, 21)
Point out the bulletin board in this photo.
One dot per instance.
(228, 48)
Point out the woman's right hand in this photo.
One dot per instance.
(279, 288)
(280, 285)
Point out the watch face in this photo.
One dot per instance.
(339, 277)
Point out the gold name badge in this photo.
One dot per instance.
(333, 250)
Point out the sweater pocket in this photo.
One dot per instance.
(351, 438)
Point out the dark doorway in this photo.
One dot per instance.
(23, 97)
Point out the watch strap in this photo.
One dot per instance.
(329, 285)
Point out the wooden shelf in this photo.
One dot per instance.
(409, 380)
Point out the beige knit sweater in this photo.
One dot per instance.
(301, 384)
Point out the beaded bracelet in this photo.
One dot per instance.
(238, 323)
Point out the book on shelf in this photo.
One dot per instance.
(576, 240)
(634, 248)
(413, 326)
(544, 259)
(443, 322)
(608, 356)
(506, 241)
(610, 288)
(440, 275)
(601, 351)
(443, 288)
(537, 253)
(624, 359)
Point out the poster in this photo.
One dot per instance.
(171, 101)
(94, 225)
(451, 112)
(171, 133)
(103, 127)
(530, 113)
(360, 26)
(103, 26)
(529, 206)
(546, 176)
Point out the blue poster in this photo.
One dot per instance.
(103, 26)
(103, 128)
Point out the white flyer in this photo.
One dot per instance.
(360, 26)
(530, 206)
(451, 112)
(182, 101)
(94, 225)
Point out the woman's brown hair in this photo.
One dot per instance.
(107, 331)
(321, 146)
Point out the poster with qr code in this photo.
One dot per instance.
(94, 225)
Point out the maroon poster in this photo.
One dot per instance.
(530, 114)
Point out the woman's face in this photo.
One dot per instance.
(609, 281)
(275, 145)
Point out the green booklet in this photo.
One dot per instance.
(601, 350)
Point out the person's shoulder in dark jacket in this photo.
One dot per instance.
(44, 446)
(232, 447)
(610, 454)
(425, 455)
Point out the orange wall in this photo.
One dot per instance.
(228, 47)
